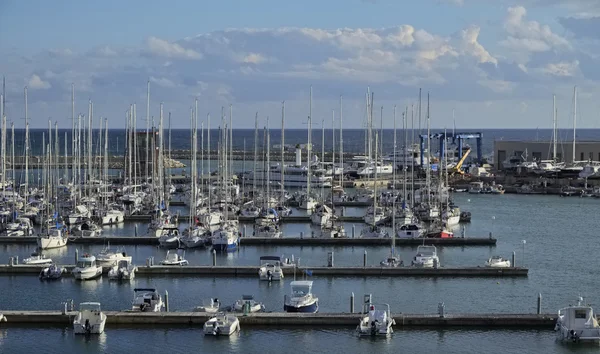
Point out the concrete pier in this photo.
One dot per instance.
(542, 321)
(284, 241)
(252, 271)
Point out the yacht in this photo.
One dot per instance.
(270, 268)
(226, 238)
(21, 227)
(89, 319)
(113, 216)
(322, 215)
(426, 257)
(195, 237)
(374, 232)
(267, 216)
(109, 258)
(577, 323)
(123, 270)
(174, 259)
(247, 304)
(332, 230)
(377, 323)
(146, 300)
(209, 305)
(221, 325)
(52, 272)
(408, 157)
(375, 216)
(169, 238)
(249, 210)
(392, 261)
(54, 239)
(37, 259)
(302, 298)
(81, 214)
(497, 262)
(307, 202)
(86, 228)
(87, 268)
(267, 231)
(295, 176)
(451, 216)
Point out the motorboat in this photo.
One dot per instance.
(87, 268)
(267, 217)
(209, 305)
(247, 304)
(577, 324)
(146, 300)
(465, 216)
(332, 231)
(195, 239)
(113, 216)
(426, 257)
(270, 268)
(451, 217)
(392, 261)
(302, 298)
(221, 325)
(52, 272)
(54, 239)
(86, 228)
(249, 210)
(476, 187)
(375, 216)
(377, 323)
(169, 238)
(37, 259)
(123, 270)
(174, 259)
(410, 231)
(109, 258)
(374, 232)
(497, 262)
(322, 215)
(89, 319)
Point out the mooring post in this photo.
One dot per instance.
(214, 254)
(353, 230)
(76, 256)
(441, 309)
(11, 261)
(301, 234)
(135, 230)
(365, 259)
(514, 257)
(352, 303)
(539, 303)
(245, 234)
(166, 301)
(330, 259)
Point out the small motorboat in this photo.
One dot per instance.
(374, 232)
(52, 272)
(577, 323)
(377, 323)
(302, 298)
(37, 259)
(209, 305)
(146, 300)
(174, 259)
(87, 268)
(392, 260)
(426, 257)
(124, 270)
(222, 325)
(109, 258)
(169, 240)
(497, 262)
(465, 216)
(89, 319)
(247, 304)
(270, 268)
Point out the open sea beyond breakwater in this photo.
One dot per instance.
(560, 236)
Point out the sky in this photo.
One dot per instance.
(484, 63)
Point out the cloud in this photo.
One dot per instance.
(563, 69)
(36, 83)
(163, 81)
(472, 47)
(254, 58)
(582, 27)
(163, 48)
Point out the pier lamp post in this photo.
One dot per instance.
(524, 242)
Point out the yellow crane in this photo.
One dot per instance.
(457, 168)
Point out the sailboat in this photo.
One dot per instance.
(307, 201)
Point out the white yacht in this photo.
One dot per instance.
(174, 259)
(249, 210)
(410, 231)
(322, 215)
(426, 257)
(146, 300)
(20, 227)
(169, 238)
(54, 239)
(307, 202)
(123, 270)
(577, 323)
(226, 238)
(89, 319)
(247, 304)
(270, 268)
(375, 216)
(211, 218)
(451, 216)
(377, 323)
(86, 228)
(497, 262)
(222, 325)
(37, 259)
(209, 305)
(195, 237)
(302, 298)
(267, 231)
(87, 268)
(109, 258)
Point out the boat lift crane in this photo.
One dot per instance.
(456, 138)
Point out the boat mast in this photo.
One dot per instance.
(208, 152)
(26, 150)
(309, 147)
(341, 142)
(255, 154)
(332, 150)
(268, 198)
(72, 131)
(394, 184)
(428, 171)
(147, 127)
(574, 119)
(554, 128)
(282, 170)
(322, 156)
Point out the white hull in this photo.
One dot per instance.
(219, 326)
(113, 218)
(50, 242)
(87, 273)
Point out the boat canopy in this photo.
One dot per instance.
(89, 306)
(270, 258)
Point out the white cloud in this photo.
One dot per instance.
(162, 81)
(166, 49)
(36, 83)
(254, 58)
(471, 46)
(564, 69)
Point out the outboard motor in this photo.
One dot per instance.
(87, 327)
(216, 329)
(373, 328)
(270, 275)
(573, 335)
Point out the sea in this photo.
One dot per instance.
(556, 238)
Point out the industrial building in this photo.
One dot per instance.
(543, 150)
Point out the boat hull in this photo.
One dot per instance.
(87, 273)
(311, 308)
(46, 243)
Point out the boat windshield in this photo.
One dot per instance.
(300, 290)
(85, 264)
(89, 306)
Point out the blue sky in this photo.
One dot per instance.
(496, 63)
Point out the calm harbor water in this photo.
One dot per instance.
(560, 249)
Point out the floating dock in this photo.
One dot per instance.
(252, 271)
(280, 319)
(283, 241)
